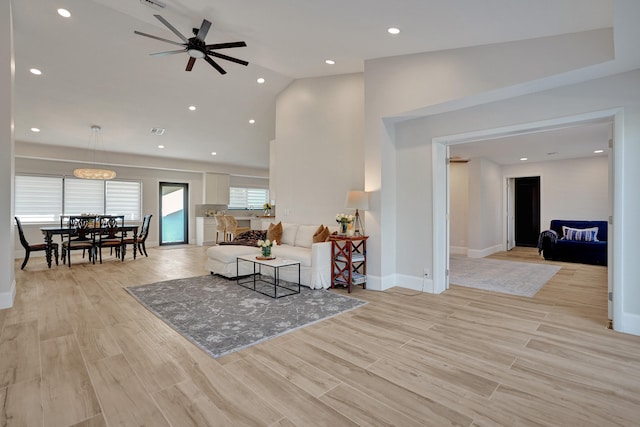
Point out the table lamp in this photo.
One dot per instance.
(357, 200)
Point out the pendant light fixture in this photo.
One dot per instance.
(94, 173)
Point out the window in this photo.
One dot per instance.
(83, 196)
(123, 198)
(40, 199)
(247, 198)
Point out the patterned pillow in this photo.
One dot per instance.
(580, 234)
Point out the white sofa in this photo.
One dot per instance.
(297, 244)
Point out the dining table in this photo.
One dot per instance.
(56, 230)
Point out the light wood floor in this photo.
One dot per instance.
(78, 350)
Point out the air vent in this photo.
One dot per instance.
(157, 131)
(154, 4)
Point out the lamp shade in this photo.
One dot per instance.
(357, 200)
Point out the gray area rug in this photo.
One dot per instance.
(221, 317)
(509, 277)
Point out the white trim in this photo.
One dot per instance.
(620, 320)
(415, 283)
(440, 251)
(7, 298)
(481, 253)
(629, 323)
(458, 250)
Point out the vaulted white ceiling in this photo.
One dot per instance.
(96, 71)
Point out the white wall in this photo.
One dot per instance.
(7, 275)
(485, 206)
(317, 154)
(597, 95)
(569, 189)
(459, 208)
(412, 85)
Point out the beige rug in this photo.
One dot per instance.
(509, 277)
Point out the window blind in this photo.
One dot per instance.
(247, 198)
(38, 198)
(83, 196)
(123, 198)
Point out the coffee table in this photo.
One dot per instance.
(257, 278)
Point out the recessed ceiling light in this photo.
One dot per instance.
(393, 30)
(161, 146)
(213, 153)
(64, 13)
(35, 130)
(252, 121)
(35, 71)
(260, 80)
(192, 107)
(598, 151)
(330, 61)
(524, 158)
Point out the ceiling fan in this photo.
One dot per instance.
(196, 47)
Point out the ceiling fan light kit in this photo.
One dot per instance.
(195, 46)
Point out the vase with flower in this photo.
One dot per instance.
(265, 248)
(344, 221)
(267, 209)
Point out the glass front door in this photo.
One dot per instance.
(174, 202)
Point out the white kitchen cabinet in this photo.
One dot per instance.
(216, 189)
(205, 231)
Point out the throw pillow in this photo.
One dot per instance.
(321, 234)
(275, 232)
(580, 234)
(289, 232)
(304, 235)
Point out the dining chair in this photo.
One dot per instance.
(110, 234)
(80, 236)
(231, 225)
(221, 227)
(29, 247)
(141, 238)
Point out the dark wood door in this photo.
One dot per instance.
(527, 211)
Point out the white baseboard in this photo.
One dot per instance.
(630, 324)
(481, 253)
(7, 298)
(458, 250)
(415, 283)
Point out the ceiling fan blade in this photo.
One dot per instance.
(158, 38)
(228, 58)
(172, 28)
(226, 45)
(169, 52)
(190, 64)
(204, 29)
(215, 65)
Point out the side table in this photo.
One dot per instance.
(348, 261)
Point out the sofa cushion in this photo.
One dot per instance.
(289, 232)
(227, 254)
(297, 253)
(580, 234)
(275, 232)
(304, 235)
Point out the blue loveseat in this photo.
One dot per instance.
(555, 245)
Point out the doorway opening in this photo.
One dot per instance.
(440, 149)
(174, 213)
(526, 215)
